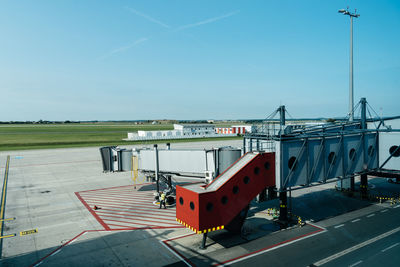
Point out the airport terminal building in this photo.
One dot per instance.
(181, 131)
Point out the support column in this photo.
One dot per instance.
(352, 187)
(169, 182)
(364, 186)
(272, 194)
(262, 196)
(283, 211)
(203, 242)
(156, 167)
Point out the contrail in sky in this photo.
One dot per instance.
(147, 17)
(207, 21)
(123, 48)
(177, 29)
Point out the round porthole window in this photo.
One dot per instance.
(191, 205)
(246, 180)
(209, 206)
(352, 154)
(181, 200)
(224, 200)
(395, 151)
(331, 158)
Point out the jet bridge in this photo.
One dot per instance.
(199, 163)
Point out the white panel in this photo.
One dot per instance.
(278, 175)
(179, 161)
(386, 141)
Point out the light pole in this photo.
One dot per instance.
(351, 101)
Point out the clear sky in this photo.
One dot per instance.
(180, 59)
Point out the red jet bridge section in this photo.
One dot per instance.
(212, 207)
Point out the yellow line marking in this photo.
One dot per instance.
(28, 232)
(5, 236)
(8, 219)
(4, 194)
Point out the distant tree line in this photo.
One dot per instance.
(38, 122)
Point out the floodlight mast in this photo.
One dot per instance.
(351, 83)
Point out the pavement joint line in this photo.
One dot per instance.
(356, 263)
(358, 246)
(340, 225)
(371, 215)
(356, 220)
(390, 247)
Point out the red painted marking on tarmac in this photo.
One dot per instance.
(92, 212)
(153, 208)
(121, 195)
(160, 216)
(118, 200)
(131, 192)
(135, 210)
(57, 249)
(129, 207)
(105, 217)
(134, 215)
(117, 225)
(122, 190)
(144, 224)
(111, 188)
(149, 206)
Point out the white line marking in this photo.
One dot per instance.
(273, 248)
(340, 225)
(55, 253)
(356, 263)
(371, 215)
(395, 207)
(38, 264)
(172, 251)
(392, 246)
(316, 226)
(351, 249)
(356, 220)
(384, 210)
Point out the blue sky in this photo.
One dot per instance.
(130, 60)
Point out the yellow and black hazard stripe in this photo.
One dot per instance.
(200, 231)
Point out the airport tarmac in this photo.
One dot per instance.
(50, 207)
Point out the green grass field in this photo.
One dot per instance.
(38, 136)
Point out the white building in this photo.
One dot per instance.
(180, 131)
(235, 129)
